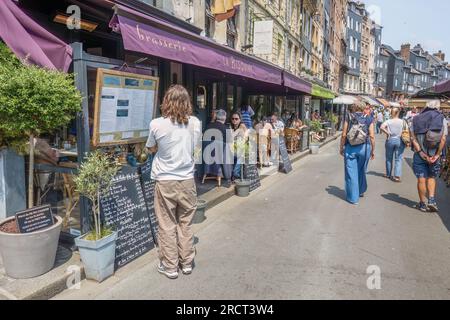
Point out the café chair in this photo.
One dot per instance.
(217, 178)
(292, 140)
(71, 197)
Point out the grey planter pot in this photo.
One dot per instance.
(314, 148)
(98, 256)
(28, 255)
(243, 188)
(199, 216)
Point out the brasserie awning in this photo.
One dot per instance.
(150, 35)
(30, 41)
(296, 83)
(321, 92)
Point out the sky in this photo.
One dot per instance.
(413, 21)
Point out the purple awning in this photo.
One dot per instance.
(296, 83)
(158, 38)
(27, 39)
(442, 87)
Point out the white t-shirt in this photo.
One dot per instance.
(394, 127)
(174, 159)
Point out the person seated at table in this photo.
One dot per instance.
(217, 168)
(290, 123)
(44, 153)
(316, 116)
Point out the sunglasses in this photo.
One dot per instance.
(234, 118)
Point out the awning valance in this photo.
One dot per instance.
(322, 92)
(152, 36)
(296, 83)
(27, 39)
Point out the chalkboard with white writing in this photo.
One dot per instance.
(125, 211)
(34, 219)
(251, 173)
(148, 187)
(285, 164)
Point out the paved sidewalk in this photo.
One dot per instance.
(55, 281)
(297, 238)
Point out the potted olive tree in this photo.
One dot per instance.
(333, 119)
(315, 127)
(241, 148)
(33, 101)
(97, 248)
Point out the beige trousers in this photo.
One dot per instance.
(175, 206)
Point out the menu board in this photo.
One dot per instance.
(148, 187)
(251, 173)
(285, 164)
(125, 103)
(124, 210)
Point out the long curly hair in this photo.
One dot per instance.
(177, 105)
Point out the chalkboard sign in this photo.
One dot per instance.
(125, 211)
(251, 173)
(34, 219)
(148, 187)
(285, 165)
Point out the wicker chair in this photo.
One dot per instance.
(292, 140)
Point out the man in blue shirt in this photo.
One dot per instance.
(429, 131)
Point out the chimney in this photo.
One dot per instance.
(405, 52)
(440, 55)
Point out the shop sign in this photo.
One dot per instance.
(263, 37)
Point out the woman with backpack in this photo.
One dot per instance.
(357, 148)
(395, 146)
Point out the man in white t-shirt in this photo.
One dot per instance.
(174, 137)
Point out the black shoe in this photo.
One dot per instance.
(432, 206)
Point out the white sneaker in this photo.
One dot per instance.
(162, 270)
(186, 270)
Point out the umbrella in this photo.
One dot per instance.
(345, 100)
(371, 101)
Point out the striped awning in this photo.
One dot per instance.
(384, 102)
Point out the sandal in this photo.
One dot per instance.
(396, 179)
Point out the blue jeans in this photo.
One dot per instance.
(379, 127)
(394, 154)
(356, 161)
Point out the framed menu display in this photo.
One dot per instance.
(125, 103)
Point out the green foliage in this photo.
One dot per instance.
(332, 117)
(94, 179)
(7, 58)
(104, 232)
(315, 126)
(33, 100)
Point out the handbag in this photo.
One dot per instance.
(406, 136)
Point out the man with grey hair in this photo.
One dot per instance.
(216, 136)
(429, 131)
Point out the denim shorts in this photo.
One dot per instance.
(423, 169)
